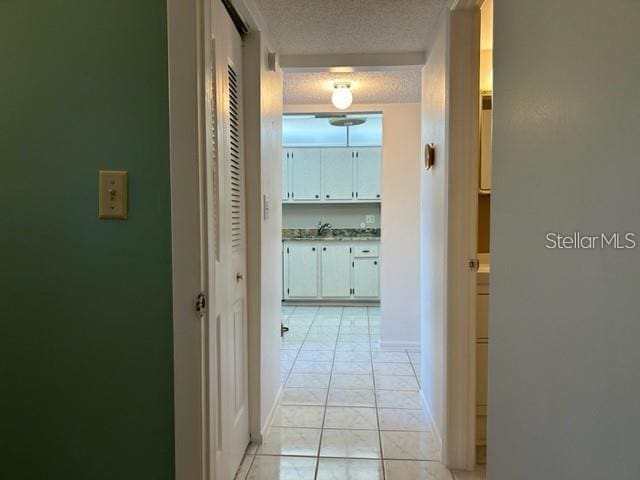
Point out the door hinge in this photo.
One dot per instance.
(201, 304)
(474, 264)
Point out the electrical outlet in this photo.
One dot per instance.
(371, 219)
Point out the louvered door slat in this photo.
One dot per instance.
(235, 165)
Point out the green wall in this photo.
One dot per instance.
(85, 304)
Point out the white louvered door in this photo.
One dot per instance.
(231, 321)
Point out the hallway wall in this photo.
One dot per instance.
(564, 380)
(263, 124)
(85, 322)
(433, 234)
(400, 216)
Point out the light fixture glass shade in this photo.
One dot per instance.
(341, 96)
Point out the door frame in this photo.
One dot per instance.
(463, 47)
(186, 25)
(190, 66)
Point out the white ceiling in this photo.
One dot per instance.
(397, 86)
(350, 26)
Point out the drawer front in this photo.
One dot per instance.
(365, 251)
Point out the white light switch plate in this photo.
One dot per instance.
(371, 219)
(113, 194)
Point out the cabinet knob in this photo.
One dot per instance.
(375, 263)
(378, 195)
(317, 196)
(324, 249)
(313, 249)
(327, 196)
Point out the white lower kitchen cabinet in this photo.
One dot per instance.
(366, 277)
(335, 271)
(331, 270)
(301, 270)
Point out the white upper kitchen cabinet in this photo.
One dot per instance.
(286, 188)
(366, 279)
(368, 173)
(302, 270)
(336, 271)
(304, 172)
(337, 174)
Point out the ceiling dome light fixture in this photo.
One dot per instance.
(341, 96)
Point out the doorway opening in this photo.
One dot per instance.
(350, 395)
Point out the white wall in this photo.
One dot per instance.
(433, 239)
(400, 246)
(264, 166)
(564, 367)
(400, 221)
(339, 216)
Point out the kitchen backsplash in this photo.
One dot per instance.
(305, 216)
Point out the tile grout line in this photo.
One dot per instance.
(326, 398)
(375, 398)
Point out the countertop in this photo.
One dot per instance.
(331, 235)
(331, 239)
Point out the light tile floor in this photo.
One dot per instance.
(349, 410)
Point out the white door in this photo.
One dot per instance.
(368, 173)
(304, 165)
(337, 174)
(302, 270)
(229, 323)
(286, 191)
(366, 278)
(336, 271)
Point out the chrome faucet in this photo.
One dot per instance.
(323, 227)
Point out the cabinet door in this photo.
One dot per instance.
(336, 271)
(337, 174)
(302, 270)
(366, 277)
(304, 168)
(368, 173)
(286, 192)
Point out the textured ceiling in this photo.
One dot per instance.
(398, 86)
(350, 26)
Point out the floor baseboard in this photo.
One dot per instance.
(400, 345)
(272, 413)
(427, 410)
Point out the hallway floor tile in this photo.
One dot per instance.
(350, 410)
